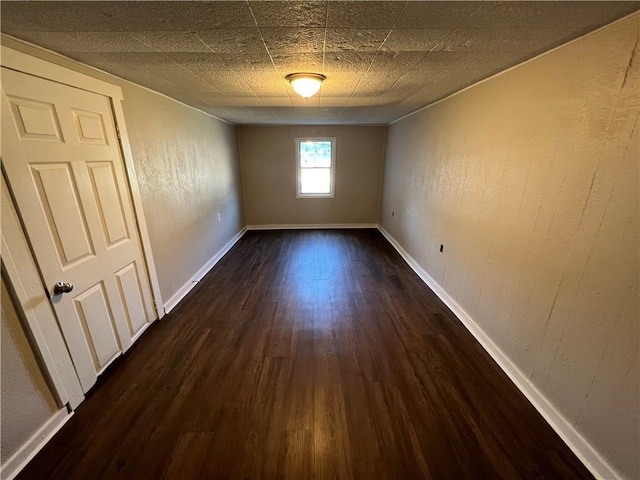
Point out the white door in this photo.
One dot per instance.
(62, 159)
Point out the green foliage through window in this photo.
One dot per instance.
(315, 167)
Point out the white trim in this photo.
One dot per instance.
(26, 63)
(40, 320)
(311, 226)
(19, 460)
(111, 75)
(570, 42)
(136, 197)
(332, 168)
(580, 447)
(186, 288)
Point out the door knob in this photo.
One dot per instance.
(62, 287)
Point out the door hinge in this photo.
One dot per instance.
(118, 133)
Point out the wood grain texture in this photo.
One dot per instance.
(307, 354)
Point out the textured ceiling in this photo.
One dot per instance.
(382, 59)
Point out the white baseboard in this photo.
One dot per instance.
(311, 226)
(186, 288)
(19, 460)
(580, 447)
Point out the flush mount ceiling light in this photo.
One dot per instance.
(305, 84)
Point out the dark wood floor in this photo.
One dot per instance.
(307, 354)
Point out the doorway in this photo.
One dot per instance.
(63, 162)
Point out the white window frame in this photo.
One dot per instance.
(332, 189)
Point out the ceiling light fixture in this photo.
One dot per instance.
(306, 84)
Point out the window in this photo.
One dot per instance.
(315, 164)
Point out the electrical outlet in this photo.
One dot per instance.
(219, 217)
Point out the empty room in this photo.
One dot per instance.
(320, 240)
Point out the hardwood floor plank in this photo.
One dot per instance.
(307, 355)
(188, 456)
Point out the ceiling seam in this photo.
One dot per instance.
(231, 69)
(513, 67)
(216, 54)
(177, 12)
(324, 50)
(255, 20)
(454, 30)
(432, 49)
(374, 59)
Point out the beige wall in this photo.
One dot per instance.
(267, 156)
(26, 400)
(530, 180)
(188, 170)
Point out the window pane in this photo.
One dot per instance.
(315, 154)
(315, 180)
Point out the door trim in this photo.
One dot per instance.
(17, 259)
(25, 63)
(42, 324)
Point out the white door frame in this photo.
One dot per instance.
(16, 255)
(38, 313)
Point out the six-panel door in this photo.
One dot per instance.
(63, 162)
